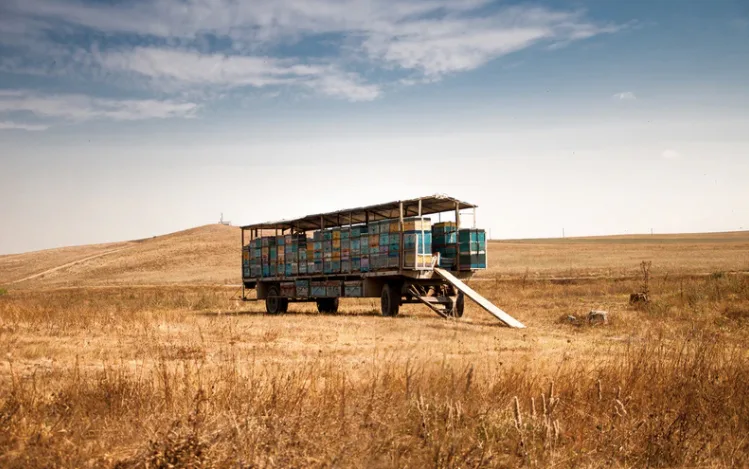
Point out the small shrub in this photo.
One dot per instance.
(3, 292)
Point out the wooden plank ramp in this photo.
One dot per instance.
(505, 318)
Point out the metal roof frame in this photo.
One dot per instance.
(428, 205)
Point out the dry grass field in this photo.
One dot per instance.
(137, 354)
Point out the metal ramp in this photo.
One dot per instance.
(480, 300)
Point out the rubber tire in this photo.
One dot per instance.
(327, 305)
(274, 304)
(389, 301)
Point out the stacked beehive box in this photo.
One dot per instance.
(345, 250)
(311, 267)
(341, 250)
(300, 241)
(393, 243)
(471, 249)
(336, 265)
(280, 256)
(417, 243)
(445, 242)
(246, 268)
(364, 250)
(374, 245)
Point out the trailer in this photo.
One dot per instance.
(404, 268)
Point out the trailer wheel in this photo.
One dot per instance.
(390, 300)
(274, 304)
(327, 305)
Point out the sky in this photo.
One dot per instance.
(125, 119)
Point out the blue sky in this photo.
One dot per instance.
(125, 119)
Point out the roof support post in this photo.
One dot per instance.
(457, 215)
(420, 243)
(401, 256)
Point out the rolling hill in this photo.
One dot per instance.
(206, 254)
(209, 255)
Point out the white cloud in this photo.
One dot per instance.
(170, 45)
(10, 125)
(180, 68)
(347, 86)
(458, 43)
(444, 48)
(670, 154)
(625, 96)
(73, 107)
(194, 68)
(433, 36)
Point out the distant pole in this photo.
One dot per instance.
(562, 232)
(651, 232)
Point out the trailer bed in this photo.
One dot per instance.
(420, 281)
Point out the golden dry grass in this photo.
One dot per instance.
(185, 376)
(205, 255)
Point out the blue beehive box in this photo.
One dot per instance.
(302, 288)
(358, 230)
(353, 288)
(333, 288)
(317, 289)
(447, 238)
